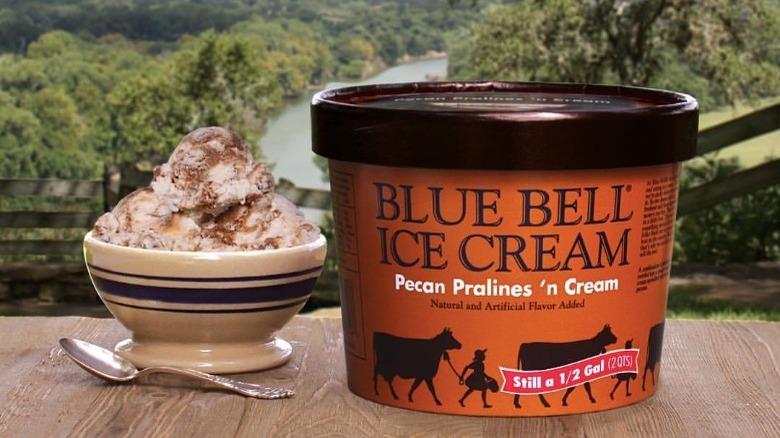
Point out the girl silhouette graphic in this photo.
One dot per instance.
(477, 380)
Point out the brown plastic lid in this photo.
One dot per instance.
(504, 125)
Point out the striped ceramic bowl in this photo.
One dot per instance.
(214, 311)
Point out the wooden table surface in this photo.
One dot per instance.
(718, 379)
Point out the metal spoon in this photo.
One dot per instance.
(107, 365)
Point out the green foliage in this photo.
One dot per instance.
(745, 229)
(537, 41)
(290, 47)
(731, 47)
(88, 84)
(19, 135)
(51, 44)
(214, 80)
(26, 21)
(224, 81)
(54, 118)
(394, 28)
(398, 29)
(149, 117)
(60, 154)
(353, 55)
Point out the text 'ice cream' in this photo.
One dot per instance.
(210, 196)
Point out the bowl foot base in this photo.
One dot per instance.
(215, 359)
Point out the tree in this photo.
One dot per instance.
(51, 44)
(292, 50)
(674, 43)
(61, 83)
(20, 74)
(213, 81)
(226, 84)
(354, 54)
(135, 76)
(19, 135)
(150, 116)
(60, 154)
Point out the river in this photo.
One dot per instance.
(287, 143)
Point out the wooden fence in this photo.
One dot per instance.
(37, 188)
(74, 207)
(105, 192)
(740, 183)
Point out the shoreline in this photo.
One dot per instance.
(430, 54)
(406, 59)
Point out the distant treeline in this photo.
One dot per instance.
(393, 27)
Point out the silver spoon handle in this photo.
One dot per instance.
(244, 388)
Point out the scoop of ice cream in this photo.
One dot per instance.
(210, 196)
(135, 221)
(288, 225)
(210, 170)
(240, 227)
(260, 225)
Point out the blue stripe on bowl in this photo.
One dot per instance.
(208, 279)
(183, 295)
(213, 311)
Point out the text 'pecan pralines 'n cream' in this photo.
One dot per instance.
(504, 248)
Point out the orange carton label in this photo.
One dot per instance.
(503, 293)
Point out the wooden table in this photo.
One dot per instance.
(718, 379)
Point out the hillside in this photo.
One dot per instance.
(87, 84)
(396, 26)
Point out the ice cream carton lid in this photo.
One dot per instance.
(504, 125)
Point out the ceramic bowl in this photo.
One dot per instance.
(217, 312)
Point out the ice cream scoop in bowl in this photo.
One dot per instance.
(206, 264)
(217, 311)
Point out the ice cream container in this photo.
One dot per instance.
(504, 248)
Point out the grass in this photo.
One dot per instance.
(686, 302)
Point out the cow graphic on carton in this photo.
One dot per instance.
(623, 377)
(410, 358)
(419, 359)
(533, 356)
(654, 347)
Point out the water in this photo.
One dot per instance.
(287, 144)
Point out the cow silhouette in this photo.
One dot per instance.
(623, 377)
(654, 346)
(535, 356)
(410, 358)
